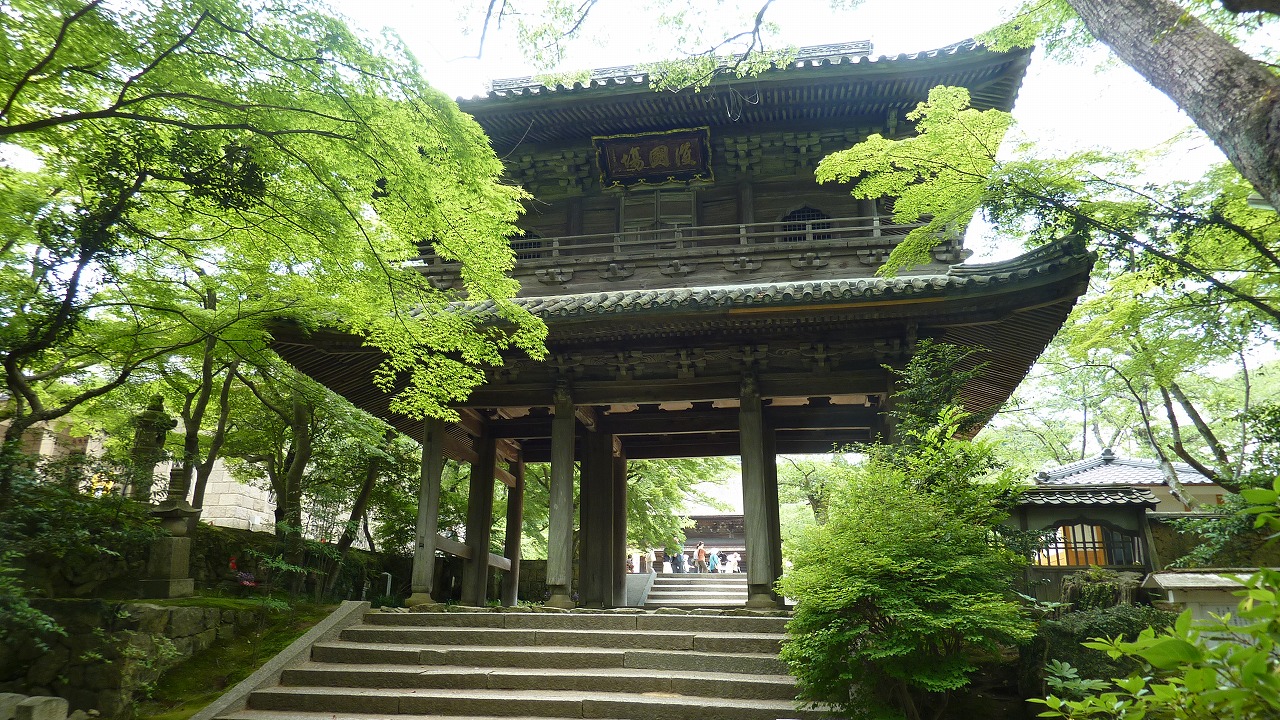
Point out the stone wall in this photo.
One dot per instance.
(112, 651)
(1244, 551)
(234, 504)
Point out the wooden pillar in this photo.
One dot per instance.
(619, 526)
(560, 502)
(422, 581)
(755, 497)
(515, 525)
(573, 211)
(595, 571)
(770, 438)
(475, 573)
(746, 203)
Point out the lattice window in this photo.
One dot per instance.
(528, 247)
(1083, 543)
(805, 221)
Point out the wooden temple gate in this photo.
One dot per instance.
(704, 296)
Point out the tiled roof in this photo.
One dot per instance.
(1080, 495)
(959, 280)
(810, 56)
(828, 86)
(1107, 469)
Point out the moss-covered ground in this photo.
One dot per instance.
(184, 690)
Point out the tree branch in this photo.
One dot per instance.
(48, 58)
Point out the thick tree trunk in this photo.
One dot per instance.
(1232, 97)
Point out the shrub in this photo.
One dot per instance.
(899, 595)
(1063, 637)
(71, 543)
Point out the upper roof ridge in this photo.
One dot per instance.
(807, 56)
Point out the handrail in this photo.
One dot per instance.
(639, 242)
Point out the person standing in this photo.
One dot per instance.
(700, 557)
(675, 553)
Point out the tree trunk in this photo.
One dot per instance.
(11, 458)
(205, 469)
(1233, 98)
(353, 523)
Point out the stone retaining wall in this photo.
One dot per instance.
(112, 651)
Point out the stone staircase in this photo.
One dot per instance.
(698, 590)
(628, 665)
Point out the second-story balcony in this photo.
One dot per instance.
(705, 255)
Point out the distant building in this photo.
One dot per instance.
(1097, 510)
(1109, 470)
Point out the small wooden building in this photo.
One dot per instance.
(1099, 512)
(705, 296)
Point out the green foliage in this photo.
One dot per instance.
(209, 167)
(68, 537)
(192, 685)
(938, 177)
(809, 481)
(897, 595)
(657, 490)
(1065, 680)
(1227, 667)
(17, 617)
(1219, 669)
(1098, 588)
(1063, 637)
(929, 383)
(1054, 25)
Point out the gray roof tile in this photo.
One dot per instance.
(958, 280)
(1086, 495)
(1107, 469)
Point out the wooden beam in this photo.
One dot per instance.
(668, 422)
(587, 416)
(656, 390)
(453, 547)
(653, 447)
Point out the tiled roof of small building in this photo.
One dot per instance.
(959, 280)
(1084, 495)
(1108, 469)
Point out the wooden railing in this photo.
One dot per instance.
(651, 242)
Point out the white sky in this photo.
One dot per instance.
(1096, 103)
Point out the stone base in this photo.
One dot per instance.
(564, 602)
(170, 559)
(170, 588)
(419, 598)
(763, 600)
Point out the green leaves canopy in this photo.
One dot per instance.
(939, 177)
(262, 148)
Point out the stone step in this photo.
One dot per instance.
(699, 590)
(748, 621)
(541, 703)
(549, 657)
(693, 603)
(736, 577)
(299, 715)
(612, 680)
(735, 587)
(502, 637)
